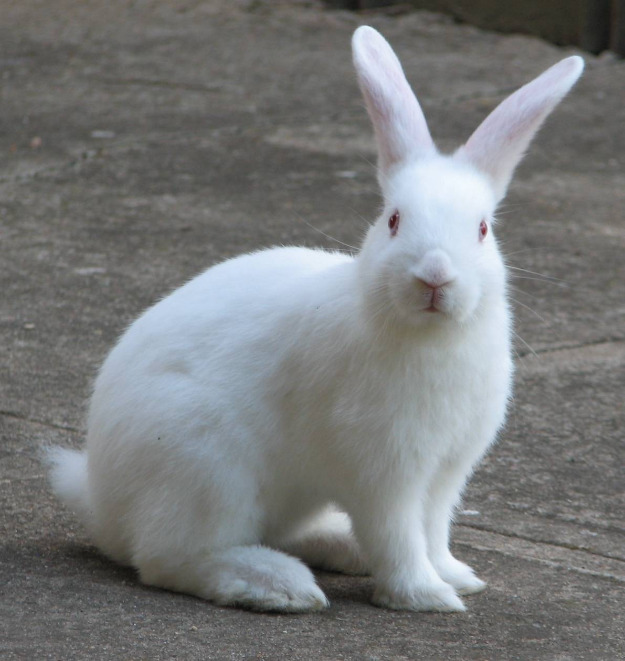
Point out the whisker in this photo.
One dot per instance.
(366, 159)
(516, 252)
(505, 212)
(526, 344)
(542, 275)
(518, 290)
(555, 283)
(327, 236)
(364, 220)
(527, 307)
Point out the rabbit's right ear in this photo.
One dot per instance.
(499, 143)
(400, 127)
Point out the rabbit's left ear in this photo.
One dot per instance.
(400, 127)
(499, 143)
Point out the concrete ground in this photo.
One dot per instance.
(144, 141)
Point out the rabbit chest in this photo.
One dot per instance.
(390, 410)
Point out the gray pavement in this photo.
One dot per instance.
(142, 142)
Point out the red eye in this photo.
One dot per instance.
(483, 230)
(393, 223)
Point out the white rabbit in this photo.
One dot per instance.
(296, 402)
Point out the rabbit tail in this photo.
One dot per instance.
(68, 477)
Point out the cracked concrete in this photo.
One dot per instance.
(143, 142)
(571, 558)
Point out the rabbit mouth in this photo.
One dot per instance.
(435, 298)
(435, 310)
(439, 305)
(433, 304)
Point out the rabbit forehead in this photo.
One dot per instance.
(440, 189)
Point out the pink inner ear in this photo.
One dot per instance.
(500, 141)
(515, 119)
(400, 127)
(397, 119)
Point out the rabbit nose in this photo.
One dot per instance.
(433, 283)
(434, 270)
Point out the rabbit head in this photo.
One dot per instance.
(432, 257)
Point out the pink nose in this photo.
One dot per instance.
(433, 284)
(434, 270)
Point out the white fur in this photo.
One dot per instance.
(68, 477)
(232, 414)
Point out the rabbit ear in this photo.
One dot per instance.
(499, 143)
(400, 127)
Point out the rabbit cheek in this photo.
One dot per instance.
(467, 301)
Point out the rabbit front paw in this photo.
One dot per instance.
(440, 597)
(459, 575)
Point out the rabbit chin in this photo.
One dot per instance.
(438, 318)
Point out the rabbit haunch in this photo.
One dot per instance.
(295, 406)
